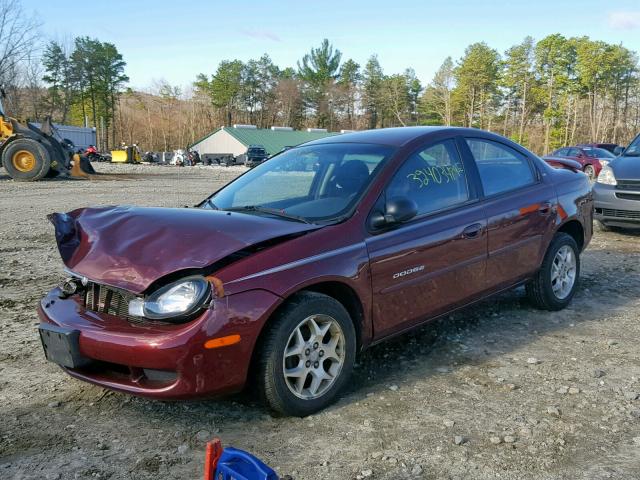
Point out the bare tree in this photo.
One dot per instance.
(32, 83)
(18, 37)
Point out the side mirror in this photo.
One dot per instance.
(398, 210)
(618, 151)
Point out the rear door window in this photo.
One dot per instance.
(433, 177)
(573, 152)
(501, 168)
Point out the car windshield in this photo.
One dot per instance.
(633, 150)
(594, 152)
(315, 183)
(257, 151)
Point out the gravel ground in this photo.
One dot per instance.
(497, 391)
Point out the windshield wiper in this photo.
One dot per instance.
(270, 211)
(209, 202)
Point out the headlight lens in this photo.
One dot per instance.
(607, 177)
(177, 299)
(604, 163)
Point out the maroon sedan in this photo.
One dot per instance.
(591, 158)
(281, 277)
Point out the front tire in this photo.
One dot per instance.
(591, 172)
(26, 160)
(554, 285)
(307, 355)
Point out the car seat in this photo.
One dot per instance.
(348, 179)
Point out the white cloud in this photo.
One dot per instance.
(624, 20)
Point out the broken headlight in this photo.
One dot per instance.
(178, 299)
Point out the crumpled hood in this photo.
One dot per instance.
(131, 247)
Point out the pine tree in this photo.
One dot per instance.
(319, 69)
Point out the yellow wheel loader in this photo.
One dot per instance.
(29, 153)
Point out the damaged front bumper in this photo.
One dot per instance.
(165, 361)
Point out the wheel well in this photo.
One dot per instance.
(349, 300)
(7, 141)
(574, 228)
(337, 290)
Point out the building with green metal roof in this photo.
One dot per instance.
(235, 140)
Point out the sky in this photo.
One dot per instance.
(176, 40)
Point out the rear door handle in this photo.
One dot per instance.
(545, 208)
(472, 231)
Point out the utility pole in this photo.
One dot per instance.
(330, 114)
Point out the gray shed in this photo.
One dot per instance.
(80, 136)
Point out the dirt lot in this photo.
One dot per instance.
(497, 391)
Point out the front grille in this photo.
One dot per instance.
(628, 196)
(630, 185)
(105, 299)
(610, 212)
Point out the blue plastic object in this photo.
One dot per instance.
(236, 464)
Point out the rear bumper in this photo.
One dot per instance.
(164, 361)
(613, 210)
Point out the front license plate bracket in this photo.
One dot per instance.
(62, 346)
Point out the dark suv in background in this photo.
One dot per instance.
(256, 154)
(610, 147)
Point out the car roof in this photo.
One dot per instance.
(577, 147)
(596, 145)
(397, 136)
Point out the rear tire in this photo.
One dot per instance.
(554, 285)
(318, 364)
(26, 160)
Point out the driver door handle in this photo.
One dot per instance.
(472, 231)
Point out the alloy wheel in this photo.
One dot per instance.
(591, 173)
(563, 272)
(314, 356)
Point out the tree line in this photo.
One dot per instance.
(543, 94)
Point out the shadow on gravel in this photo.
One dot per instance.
(91, 178)
(472, 336)
(627, 232)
